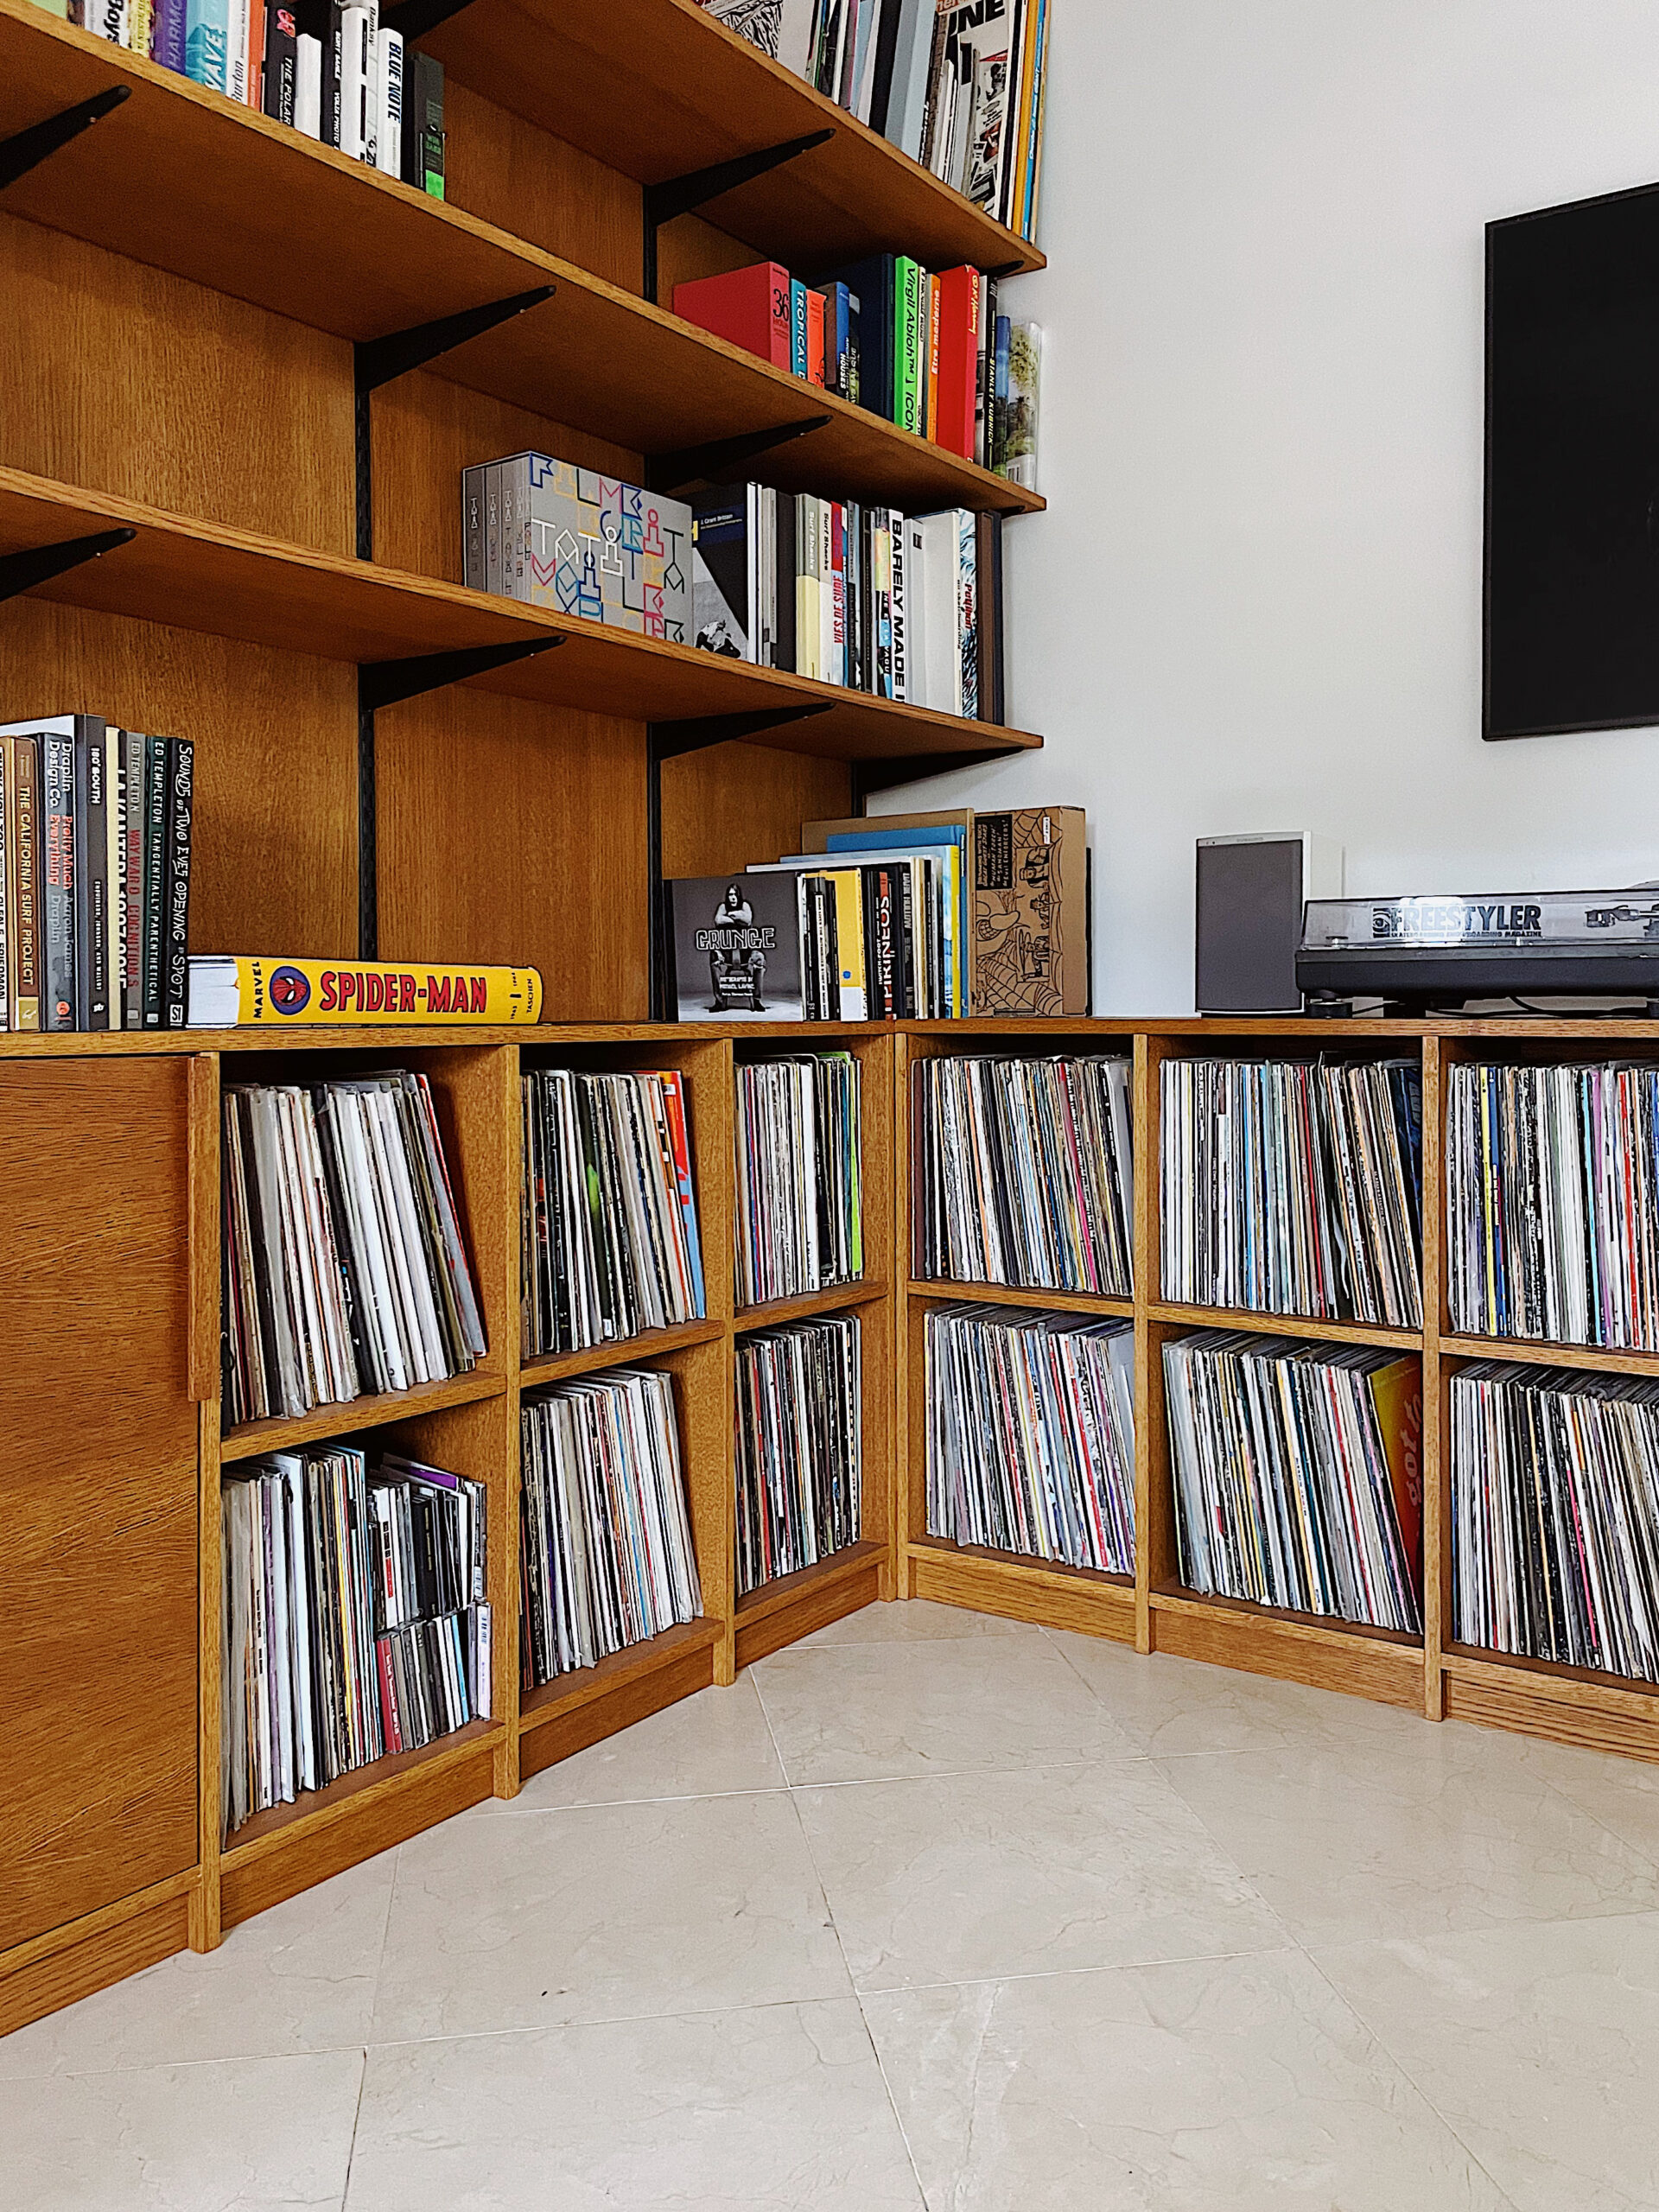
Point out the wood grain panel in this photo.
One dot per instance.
(541, 188)
(1530, 1711)
(784, 1610)
(1024, 1590)
(130, 381)
(1262, 1644)
(733, 803)
(667, 1671)
(513, 832)
(274, 856)
(105, 1949)
(98, 1484)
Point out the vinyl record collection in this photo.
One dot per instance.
(1295, 1186)
(1022, 1173)
(1555, 1516)
(1297, 1479)
(1031, 1435)
(607, 1554)
(799, 1446)
(345, 1272)
(610, 1219)
(1553, 1203)
(800, 1209)
(355, 1618)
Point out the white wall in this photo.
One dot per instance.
(1254, 602)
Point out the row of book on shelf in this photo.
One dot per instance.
(335, 72)
(932, 916)
(95, 826)
(905, 607)
(929, 352)
(957, 85)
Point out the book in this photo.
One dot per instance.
(423, 136)
(175, 897)
(749, 307)
(1030, 911)
(956, 359)
(227, 993)
(737, 947)
(308, 84)
(725, 585)
(814, 337)
(590, 545)
(206, 42)
(1017, 448)
(873, 283)
(389, 82)
(280, 78)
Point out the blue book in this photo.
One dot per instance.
(876, 839)
(206, 42)
(798, 326)
(871, 285)
(838, 319)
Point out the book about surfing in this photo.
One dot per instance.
(227, 992)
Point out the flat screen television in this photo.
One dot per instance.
(1571, 567)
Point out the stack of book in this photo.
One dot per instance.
(609, 1239)
(607, 1554)
(1297, 1476)
(799, 1447)
(344, 1272)
(1553, 1203)
(336, 72)
(800, 1222)
(355, 1619)
(1022, 1173)
(1031, 1435)
(94, 875)
(901, 607)
(1295, 1186)
(959, 87)
(1555, 1516)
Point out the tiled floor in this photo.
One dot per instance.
(933, 1911)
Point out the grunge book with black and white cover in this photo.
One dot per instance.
(737, 947)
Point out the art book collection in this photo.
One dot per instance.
(957, 85)
(95, 843)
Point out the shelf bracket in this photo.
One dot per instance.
(384, 684)
(26, 150)
(678, 195)
(881, 775)
(722, 460)
(667, 740)
(21, 572)
(378, 360)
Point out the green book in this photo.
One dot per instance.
(909, 342)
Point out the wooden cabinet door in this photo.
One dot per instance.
(98, 1488)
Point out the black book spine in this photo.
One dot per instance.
(333, 51)
(154, 885)
(57, 823)
(783, 627)
(887, 46)
(281, 52)
(181, 788)
(904, 939)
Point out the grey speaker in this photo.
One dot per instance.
(1251, 891)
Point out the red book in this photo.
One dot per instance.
(959, 359)
(749, 307)
(814, 337)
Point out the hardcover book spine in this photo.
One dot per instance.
(282, 45)
(154, 875)
(206, 38)
(355, 60)
(388, 140)
(797, 327)
(181, 792)
(115, 784)
(899, 572)
(814, 363)
(426, 118)
(781, 354)
(308, 84)
(167, 30)
(334, 52)
(58, 811)
(8, 889)
(930, 422)
(141, 26)
(236, 51)
(472, 528)
(838, 623)
(786, 564)
(23, 785)
(134, 800)
(92, 878)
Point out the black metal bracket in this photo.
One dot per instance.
(378, 360)
(667, 740)
(414, 18)
(26, 150)
(678, 195)
(881, 775)
(384, 684)
(21, 572)
(722, 460)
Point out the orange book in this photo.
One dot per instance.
(255, 80)
(814, 337)
(1397, 1395)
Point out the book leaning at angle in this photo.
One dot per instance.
(228, 992)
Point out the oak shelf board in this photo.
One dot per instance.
(940, 1290)
(252, 1438)
(865, 1291)
(1595, 1688)
(656, 88)
(357, 1793)
(1311, 1628)
(234, 583)
(424, 1037)
(1286, 1325)
(1023, 1566)
(786, 1590)
(1597, 1359)
(236, 202)
(567, 1694)
(626, 1351)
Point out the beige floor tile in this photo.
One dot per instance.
(962, 1876)
(1171, 1707)
(1540, 2045)
(913, 1620)
(1622, 1794)
(1439, 1829)
(602, 1912)
(709, 1745)
(1233, 2084)
(244, 2135)
(298, 1977)
(864, 1713)
(783, 2108)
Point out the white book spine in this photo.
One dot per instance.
(236, 51)
(355, 50)
(389, 132)
(308, 84)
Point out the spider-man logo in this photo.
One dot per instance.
(290, 991)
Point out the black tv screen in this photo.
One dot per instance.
(1572, 586)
